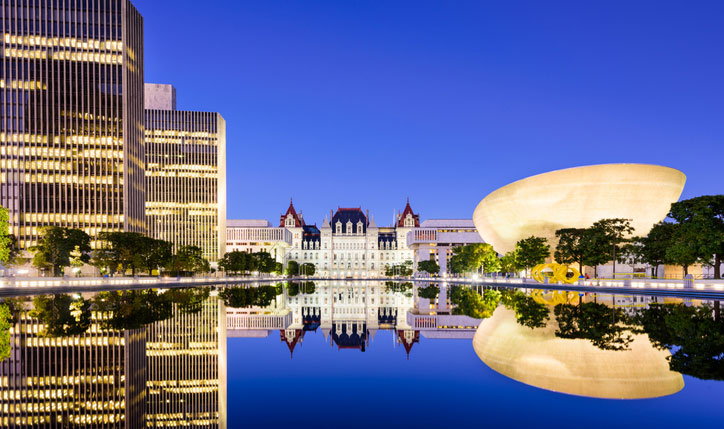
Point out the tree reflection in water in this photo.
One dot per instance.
(469, 302)
(528, 312)
(261, 296)
(693, 335)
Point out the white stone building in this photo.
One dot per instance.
(349, 242)
(436, 238)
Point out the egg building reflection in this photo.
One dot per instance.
(540, 358)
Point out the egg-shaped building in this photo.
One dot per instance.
(573, 366)
(576, 198)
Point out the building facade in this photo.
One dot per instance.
(348, 244)
(96, 379)
(436, 238)
(257, 235)
(185, 174)
(71, 130)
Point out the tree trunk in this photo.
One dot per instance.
(717, 310)
(717, 266)
(686, 270)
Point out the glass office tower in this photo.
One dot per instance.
(185, 174)
(71, 124)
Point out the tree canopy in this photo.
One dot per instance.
(308, 269)
(701, 231)
(532, 251)
(5, 324)
(55, 245)
(61, 315)
(189, 260)
(5, 240)
(292, 268)
(473, 257)
(404, 269)
(572, 247)
(429, 266)
(467, 301)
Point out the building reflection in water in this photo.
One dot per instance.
(349, 315)
(168, 373)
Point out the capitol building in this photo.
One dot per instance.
(349, 243)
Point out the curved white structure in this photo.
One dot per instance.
(574, 366)
(576, 198)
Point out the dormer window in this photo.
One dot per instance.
(339, 227)
(349, 227)
(409, 221)
(359, 228)
(290, 221)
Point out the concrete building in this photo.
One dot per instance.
(185, 174)
(436, 238)
(257, 235)
(71, 130)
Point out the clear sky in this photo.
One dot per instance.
(364, 103)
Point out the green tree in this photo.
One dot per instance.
(466, 301)
(132, 309)
(404, 269)
(694, 337)
(601, 325)
(682, 249)
(605, 239)
(243, 297)
(263, 262)
(702, 221)
(155, 254)
(189, 260)
(430, 292)
(509, 262)
(5, 240)
(532, 251)
(308, 269)
(652, 248)
(572, 246)
(189, 300)
(429, 266)
(528, 312)
(61, 315)
(473, 257)
(5, 325)
(292, 268)
(54, 248)
(235, 262)
(120, 250)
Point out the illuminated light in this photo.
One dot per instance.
(576, 198)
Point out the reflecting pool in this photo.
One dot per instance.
(356, 354)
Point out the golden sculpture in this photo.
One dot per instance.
(556, 272)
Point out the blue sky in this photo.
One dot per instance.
(366, 103)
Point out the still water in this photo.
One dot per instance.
(359, 355)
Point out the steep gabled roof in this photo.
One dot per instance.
(408, 210)
(298, 220)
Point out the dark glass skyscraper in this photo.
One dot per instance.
(71, 125)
